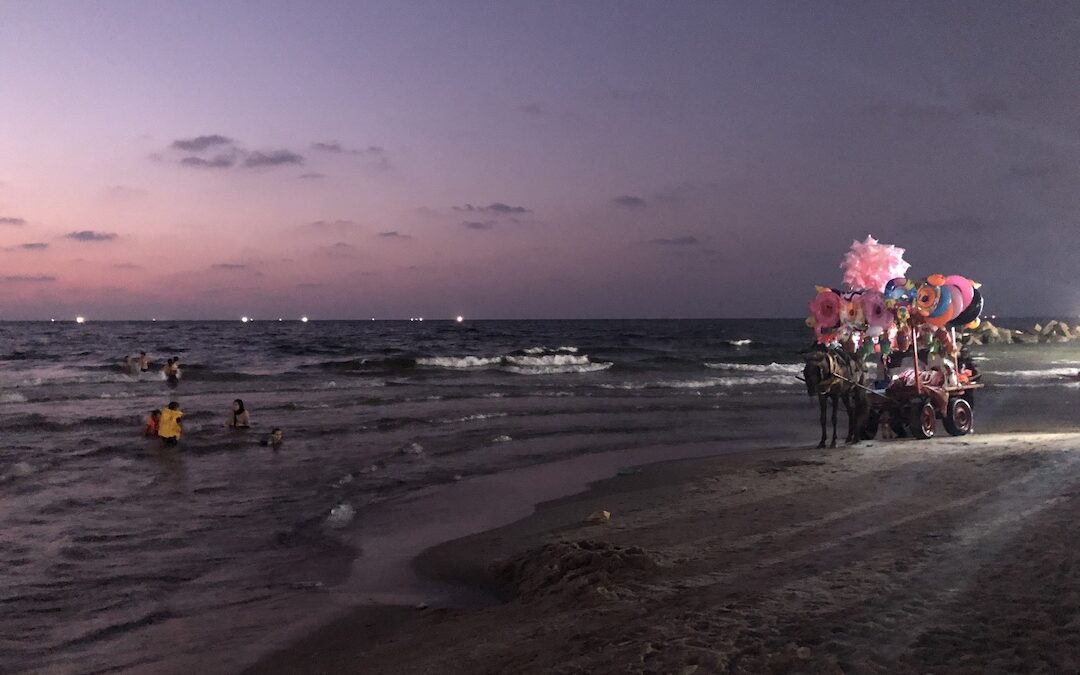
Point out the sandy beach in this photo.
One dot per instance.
(948, 555)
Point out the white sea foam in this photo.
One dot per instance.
(341, 515)
(748, 380)
(502, 439)
(535, 361)
(1036, 374)
(739, 343)
(474, 418)
(12, 397)
(558, 369)
(458, 362)
(758, 367)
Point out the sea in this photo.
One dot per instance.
(120, 555)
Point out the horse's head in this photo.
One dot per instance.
(816, 372)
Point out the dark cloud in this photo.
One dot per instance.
(370, 150)
(478, 225)
(309, 285)
(126, 266)
(495, 207)
(676, 241)
(28, 279)
(337, 249)
(8, 220)
(312, 176)
(272, 158)
(335, 147)
(629, 201)
(219, 162)
(228, 266)
(394, 234)
(91, 235)
(534, 109)
(201, 143)
(34, 246)
(329, 146)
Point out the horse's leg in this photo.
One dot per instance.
(823, 404)
(851, 407)
(835, 410)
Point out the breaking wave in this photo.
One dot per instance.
(792, 368)
(533, 361)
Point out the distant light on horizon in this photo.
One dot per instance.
(244, 319)
(303, 319)
(80, 319)
(460, 318)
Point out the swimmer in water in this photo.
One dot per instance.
(169, 428)
(144, 362)
(172, 370)
(239, 417)
(277, 437)
(153, 420)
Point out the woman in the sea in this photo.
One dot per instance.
(238, 416)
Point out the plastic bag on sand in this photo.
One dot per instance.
(341, 515)
(599, 517)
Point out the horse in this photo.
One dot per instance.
(832, 373)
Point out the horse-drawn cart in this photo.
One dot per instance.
(881, 314)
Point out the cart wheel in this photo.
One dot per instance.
(923, 420)
(960, 420)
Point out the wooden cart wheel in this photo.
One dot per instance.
(960, 420)
(923, 419)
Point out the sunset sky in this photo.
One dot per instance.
(528, 159)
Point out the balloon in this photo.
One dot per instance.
(974, 324)
(877, 315)
(941, 311)
(935, 280)
(825, 308)
(971, 312)
(868, 265)
(852, 312)
(927, 299)
(967, 290)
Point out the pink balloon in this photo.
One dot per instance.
(957, 305)
(967, 290)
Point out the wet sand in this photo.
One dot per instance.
(949, 555)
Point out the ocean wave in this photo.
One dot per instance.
(740, 343)
(463, 362)
(12, 397)
(792, 368)
(534, 361)
(707, 383)
(1050, 374)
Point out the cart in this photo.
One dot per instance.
(914, 408)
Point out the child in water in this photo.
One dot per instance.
(277, 437)
(169, 428)
(153, 420)
(238, 417)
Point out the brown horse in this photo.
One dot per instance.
(832, 373)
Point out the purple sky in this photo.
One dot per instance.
(528, 159)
